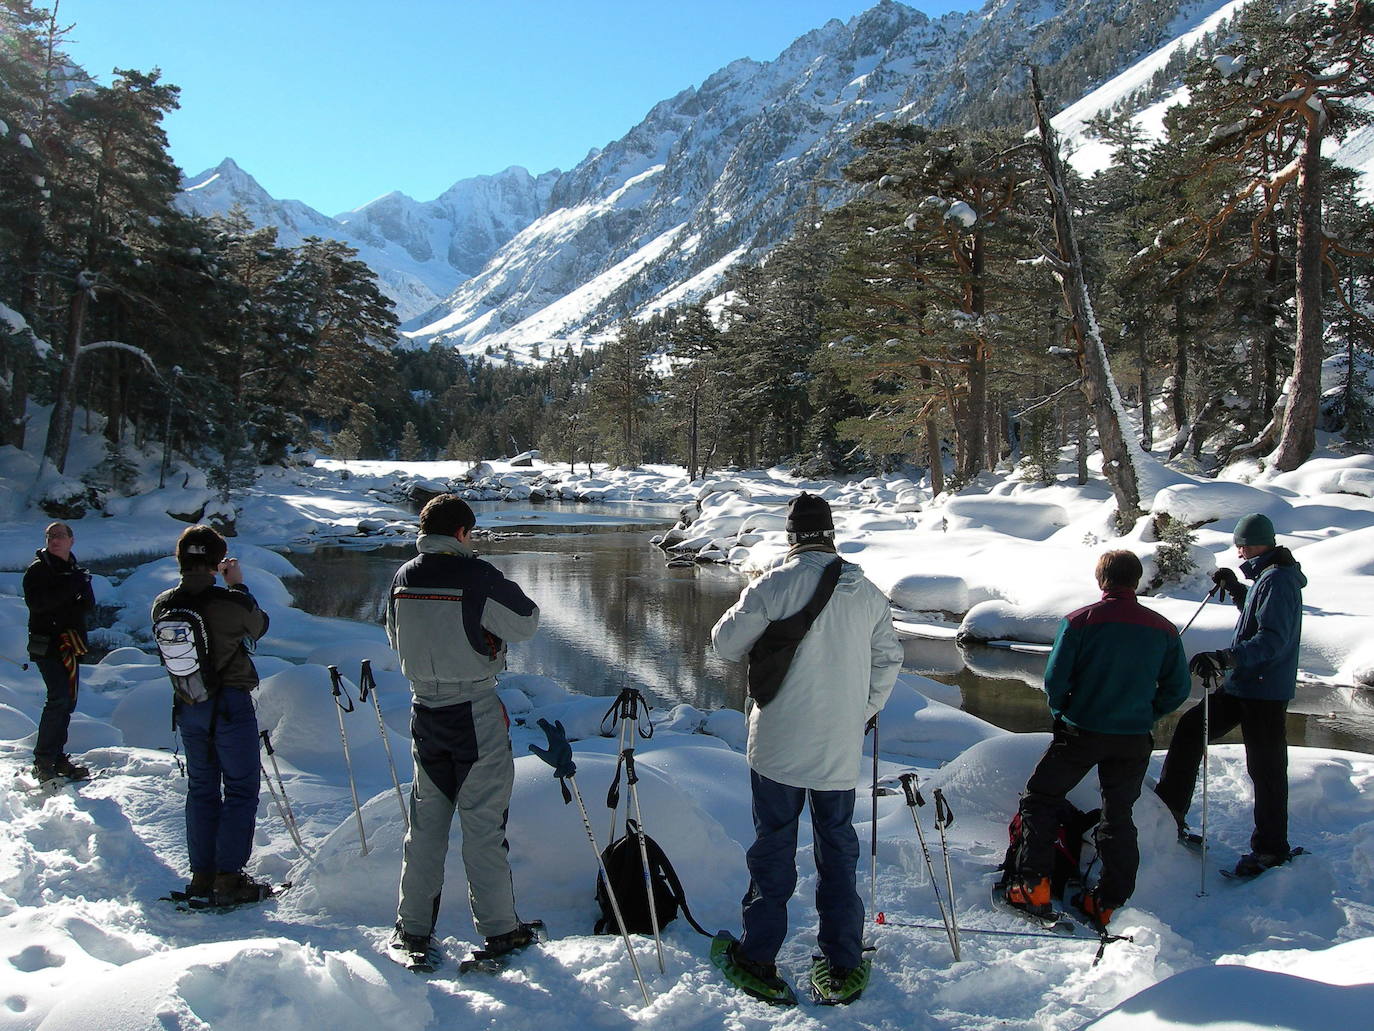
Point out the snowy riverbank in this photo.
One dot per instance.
(88, 945)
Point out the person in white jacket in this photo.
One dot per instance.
(807, 742)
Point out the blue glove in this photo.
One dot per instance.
(559, 754)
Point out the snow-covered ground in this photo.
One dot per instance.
(87, 944)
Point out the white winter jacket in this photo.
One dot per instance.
(811, 735)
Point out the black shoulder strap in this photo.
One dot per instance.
(658, 856)
(830, 576)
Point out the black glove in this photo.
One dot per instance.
(1208, 665)
(559, 754)
(1225, 578)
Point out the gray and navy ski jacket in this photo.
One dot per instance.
(1116, 667)
(449, 617)
(1264, 649)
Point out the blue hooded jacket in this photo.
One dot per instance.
(1264, 649)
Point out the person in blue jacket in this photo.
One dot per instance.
(1116, 667)
(1261, 668)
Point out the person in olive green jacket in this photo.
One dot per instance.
(1116, 667)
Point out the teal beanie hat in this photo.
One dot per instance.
(1254, 529)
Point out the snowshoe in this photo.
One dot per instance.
(417, 952)
(1189, 840)
(188, 901)
(760, 980)
(1253, 864)
(834, 987)
(498, 950)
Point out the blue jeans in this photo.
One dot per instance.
(57, 711)
(772, 861)
(221, 739)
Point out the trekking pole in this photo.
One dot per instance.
(632, 782)
(559, 756)
(12, 662)
(283, 803)
(336, 686)
(944, 817)
(910, 784)
(1207, 683)
(367, 685)
(998, 933)
(1205, 599)
(873, 838)
(629, 707)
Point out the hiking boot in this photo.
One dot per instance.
(1255, 863)
(1030, 896)
(415, 944)
(500, 944)
(1092, 907)
(202, 885)
(72, 771)
(232, 889)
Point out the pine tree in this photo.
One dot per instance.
(410, 449)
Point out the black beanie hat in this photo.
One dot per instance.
(809, 520)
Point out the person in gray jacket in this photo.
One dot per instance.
(807, 743)
(449, 616)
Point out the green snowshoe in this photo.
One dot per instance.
(832, 987)
(760, 980)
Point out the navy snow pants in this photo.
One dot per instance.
(772, 860)
(222, 771)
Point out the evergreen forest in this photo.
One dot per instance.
(930, 320)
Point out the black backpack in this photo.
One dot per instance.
(1074, 824)
(183, 645)
(626, 870)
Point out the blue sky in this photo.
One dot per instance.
(336, 102)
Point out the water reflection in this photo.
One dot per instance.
(1006, 688)
(612, 614)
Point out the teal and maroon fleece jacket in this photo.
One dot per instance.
(1116, 667)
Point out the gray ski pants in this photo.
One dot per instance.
(462, 760)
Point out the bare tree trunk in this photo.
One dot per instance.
(934, 458)
(1179, 398)
(1299, 436)
(1118, 462)
(64, 396)
(1147, 430)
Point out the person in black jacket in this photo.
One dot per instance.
(220, 733)
(58, 594)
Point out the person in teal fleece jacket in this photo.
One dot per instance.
(1116, 667)
(1262, 661)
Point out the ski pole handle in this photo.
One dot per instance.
(913, 796)
(944, 815)
(336, 688)
(365, 681)
(267, 742)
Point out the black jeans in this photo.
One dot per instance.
(1263, 725)
(57, 710)
(1121, 761)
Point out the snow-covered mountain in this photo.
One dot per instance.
(714, 174)
(420, 251)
